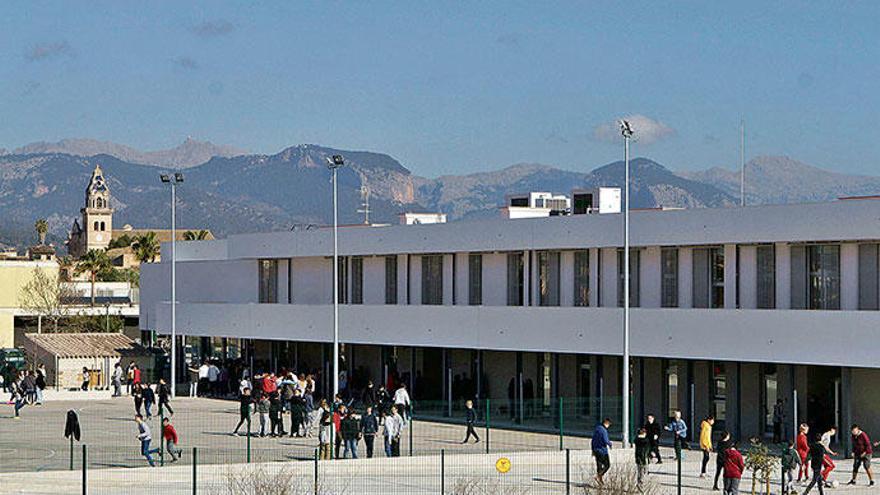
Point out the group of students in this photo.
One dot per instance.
(814, 453)
(25, 388)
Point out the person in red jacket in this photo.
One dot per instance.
(861, 450)
(734, 464)
(170, 436)
(803, 449)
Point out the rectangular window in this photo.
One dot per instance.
(823, 276)
(515, 279)
(582, 278)
(708, 272)
(432, 279)
(268, 281)
(357, 280)
(766, 277)
(633, 278)
(290, 281)
(868, 277)
(669, 276)
(719, 393)
(548, 278)
(671, 389)
(716, 258)
(342, 277)
(475, 279)
(771, 388)
(391, 280)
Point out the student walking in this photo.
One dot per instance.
(169, 433)
(791, 460)
(263, 406)
(85, 380)
(337, 427)
(393, 428)
(244, 411)
(827, 462)
(734, 464)
(402, 401)
(706, 442)
(145, 437)
(325, 423)
(802, 445)
(351, 433)
(40, 384)
(679, 432)
(471, 420)
(164, 392)
(862, 451)
(817, 461)
(653, 428)
(117, 380)
(778, 420)
(18, 397)
(138, 396)
(276, 409)
(600, 445)
(643, 448)
(724, 443)
(369, 429)
(149, 399)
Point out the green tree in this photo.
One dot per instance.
(42, 227)
(124, 240)
(195, 235)
(93, 263)
(146, 247)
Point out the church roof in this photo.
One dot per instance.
(97, 184)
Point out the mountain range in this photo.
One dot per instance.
(259, 192)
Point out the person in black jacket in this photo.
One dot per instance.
(643, 449)
(244, 411)
(721, 448)
(297, 413)
(164, 392)
(138, 396)
(817, 460)
(653, 430)
(368, 397)
(149, 400)
(470, 419)
(369, 428)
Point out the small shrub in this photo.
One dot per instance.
(474, 485)
(257, 479)
(619, 480)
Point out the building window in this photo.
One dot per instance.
(515, 279)
(268, 281)
(708, 284)
(357, 280)
(290, 281)
(96, 226)
(391, 280)
(823, 272)
(432, 279)
(582, 278)
(766, 277)
(475, 279)
(342, 277)
(633, 278)
(548, 278)
(869, 281)
(719, 393)
(671, 389)
(771, 393)
(669, 276)
(102, 227)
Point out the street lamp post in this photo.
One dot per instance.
(627, 132)
(173, 180)
(333, 163)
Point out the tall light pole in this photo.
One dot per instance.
(627, 132)
(333, 163)
(173, 180)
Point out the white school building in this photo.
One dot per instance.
(733, 308)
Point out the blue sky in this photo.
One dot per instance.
(452, 88)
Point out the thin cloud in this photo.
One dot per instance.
(213, 29)
(186, 63)
(645, 130)
(49, 50)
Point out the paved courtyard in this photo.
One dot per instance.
(35, 443)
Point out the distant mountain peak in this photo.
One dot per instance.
(189, 153)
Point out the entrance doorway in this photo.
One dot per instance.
(823, 398)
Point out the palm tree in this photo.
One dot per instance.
(65, 266)
(42, 226)
(93, 262)
(192, 235)
(146, 247)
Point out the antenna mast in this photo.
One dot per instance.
(742, 162)
(365, 204)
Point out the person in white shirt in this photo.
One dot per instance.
(203, 379)
(402, 401)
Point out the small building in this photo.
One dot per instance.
(66, 354)
(421, 218)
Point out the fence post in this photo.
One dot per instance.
(84, 469)
(783, 489)
(161, 437)
(487, 425)
(195, 462)
(442, 471)
(71, 452)
(412, 426)
(567, 471)
(316, 471)
(679, 471)
(561, 427)
(249, 438)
